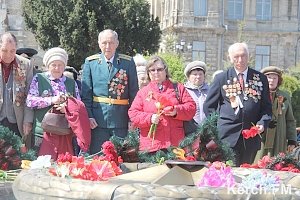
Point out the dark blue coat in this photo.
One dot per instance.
(230, 124)
(118, 83)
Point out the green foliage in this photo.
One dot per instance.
(75, 24)
(296, 106)
(10, 150)
(176, 66)
(207, 133)
(291, 84)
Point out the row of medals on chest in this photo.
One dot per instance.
(252, 89)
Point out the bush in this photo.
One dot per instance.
(175, 64)
(292, 85)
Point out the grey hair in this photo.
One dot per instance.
(235, 45)
(8, 37)
(108, 31)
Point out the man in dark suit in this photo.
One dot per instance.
(241, 97)
(109, 85)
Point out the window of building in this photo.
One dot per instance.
(199, 51)
(262, 57)
(263, 9)
(200, 7)
(235, 9)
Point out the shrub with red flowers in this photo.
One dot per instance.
(100, 168)
(281, 162)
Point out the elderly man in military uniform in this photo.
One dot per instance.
(16, 75)
(109, 85)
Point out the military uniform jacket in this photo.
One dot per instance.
(118, 83)
(257, 107)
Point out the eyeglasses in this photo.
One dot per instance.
(158, 70)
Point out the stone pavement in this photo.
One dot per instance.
(6, 192)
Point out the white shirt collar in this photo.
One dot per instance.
(244, 73)
(110, 60)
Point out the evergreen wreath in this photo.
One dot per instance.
(12, 151)
(284, 160)
(211, 148)
(128, 147)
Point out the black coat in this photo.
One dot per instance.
(231, 124)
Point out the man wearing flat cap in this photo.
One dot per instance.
(241, 97)
(109, 85)
(281, 135)
(16, 75)
(196, 86)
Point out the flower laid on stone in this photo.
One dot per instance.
(41, 162)
(100, 168)
(218, 175)
(280, 162)
(260, 179)
(9, 175)
(180, 155)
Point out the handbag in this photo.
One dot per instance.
(55, 123)
(190, 126)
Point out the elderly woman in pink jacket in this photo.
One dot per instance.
(158, 111)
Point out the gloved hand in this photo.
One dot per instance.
(155, 119)
(273, 124)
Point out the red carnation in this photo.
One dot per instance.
(250, 133)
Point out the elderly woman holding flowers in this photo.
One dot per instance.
(158, 112)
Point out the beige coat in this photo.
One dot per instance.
(22, 77)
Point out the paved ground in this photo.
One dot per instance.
(6, 192)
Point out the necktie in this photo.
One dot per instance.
(109, 65)
(241, 80)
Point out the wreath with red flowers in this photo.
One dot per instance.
(12, 150)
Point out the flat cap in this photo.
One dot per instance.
(272, 70)
(194, 65)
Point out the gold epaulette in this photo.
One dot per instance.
(123, 56)
(93, 57)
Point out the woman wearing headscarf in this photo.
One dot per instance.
(47, 90)
(158, 112)
(281, 135)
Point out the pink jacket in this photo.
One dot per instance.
(169, 130)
